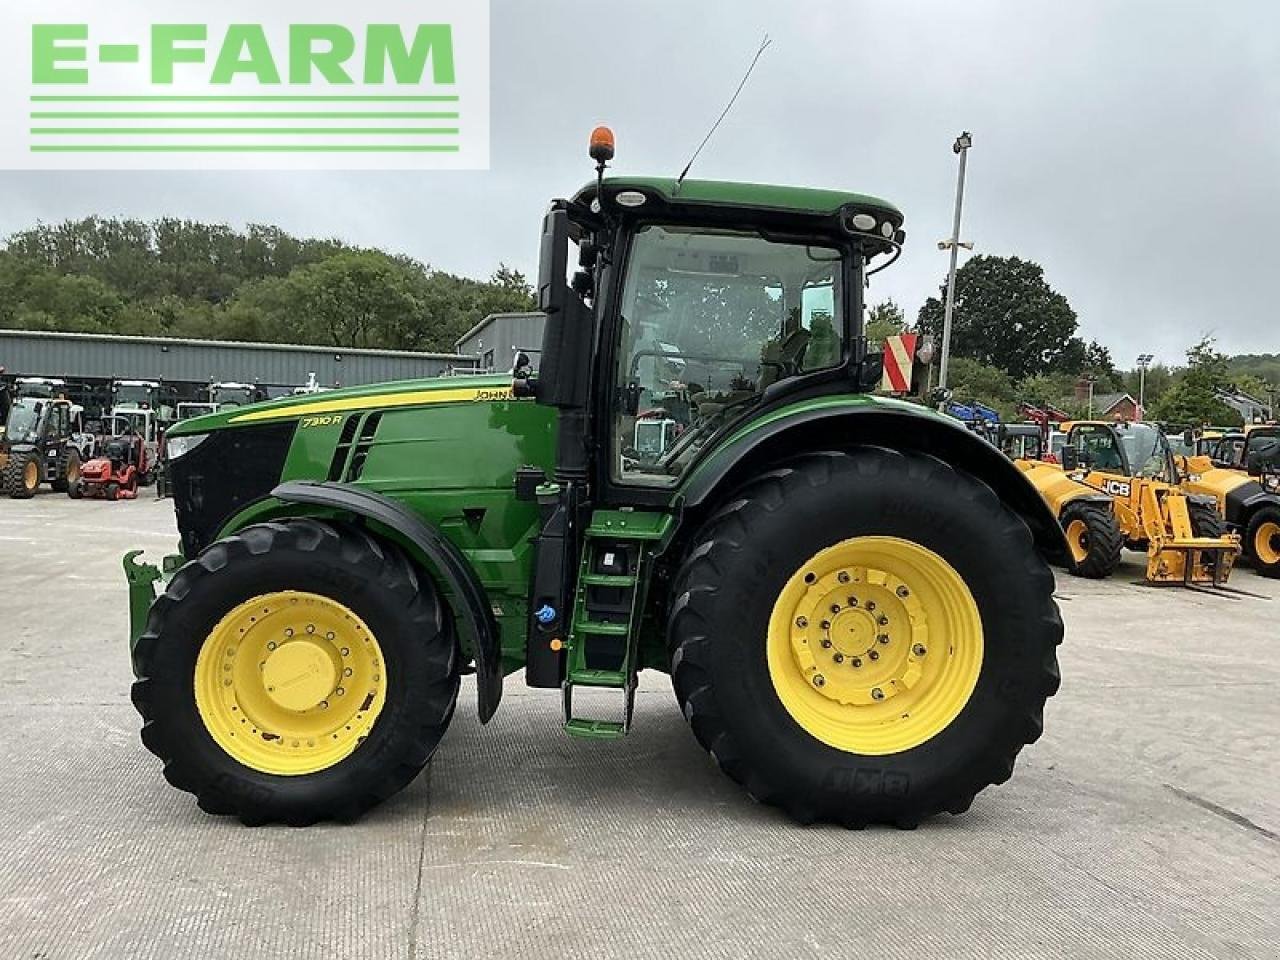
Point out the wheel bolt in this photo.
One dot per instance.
(883, 638)
(842, 577)
(311, 628)
(324, 704)
(871, 604)
(857, 661)
(903, 592)
(346, 652)
(819, 680)
(835, 608)
(329, 635)
(874, 655)
(877, 693)
(825, 624)
(838, 658)
(826, 644)
(853, 601)
(919, 650)
(801, 622)
(288, 631)
(883, 621)
(271, 644)
(340, 691)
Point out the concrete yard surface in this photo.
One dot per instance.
(1145, 823)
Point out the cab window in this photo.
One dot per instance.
(710, 319)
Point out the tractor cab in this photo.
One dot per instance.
(1125, 448)
(1260, 455)
(1021, 441)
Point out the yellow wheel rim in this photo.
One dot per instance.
(875, 645)
(30, 475)
(290, 683)
(1078, 540)
(1266, 543)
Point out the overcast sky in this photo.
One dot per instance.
(1132, 148)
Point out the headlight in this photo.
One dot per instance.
(175, 447)
(1271, 482)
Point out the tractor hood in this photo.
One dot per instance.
(401, 393)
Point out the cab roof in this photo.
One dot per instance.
(760, 196)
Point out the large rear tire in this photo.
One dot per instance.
(864, 636)
(1262, 541)
(296, 672)
(1094, 540)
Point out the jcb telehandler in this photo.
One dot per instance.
(36, 446)
(1241, 472)
(1118, 485)
(850, 592)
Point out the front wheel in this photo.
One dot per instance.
(1262, 541)
(295, 672)
(1094, 539)
(22, 475)
(865, 637)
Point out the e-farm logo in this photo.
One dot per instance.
(282, 84)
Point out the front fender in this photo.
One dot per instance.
(445, 560)
(872, 421)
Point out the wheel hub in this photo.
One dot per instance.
(290, 683)
(862, 641)
(299, 675)
(875, 645)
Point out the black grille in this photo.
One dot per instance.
(224, 473)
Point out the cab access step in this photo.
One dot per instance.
(603, 641)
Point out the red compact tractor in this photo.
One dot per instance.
(113, 475)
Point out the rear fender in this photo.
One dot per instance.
(444, 561)
(899, 426)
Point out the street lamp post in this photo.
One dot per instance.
(960, 147)
(1092, 382)
(1144, 361)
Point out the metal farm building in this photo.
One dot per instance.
(94, 359)
(496, 338)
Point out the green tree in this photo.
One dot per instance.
(1191, 401)
(1006, 316)
(883, 320)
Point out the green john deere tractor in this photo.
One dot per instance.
(849, 592)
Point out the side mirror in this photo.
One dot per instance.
(1189, 437)
(1070, 461)
(554, 261)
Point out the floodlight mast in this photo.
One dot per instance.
(960, 147)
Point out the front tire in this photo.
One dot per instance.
(296, 672)
(809, 564)
(1093, 540)
(22, 475)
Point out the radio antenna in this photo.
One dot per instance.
(764, 43)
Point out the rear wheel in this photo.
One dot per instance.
(296, 672)
(22, 475)
(865, 636)
(1262, 541)
(1094, 539)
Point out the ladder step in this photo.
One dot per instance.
(597, 678)
(624, 525)
(603, 629)
(608, 580)
(595, 729)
